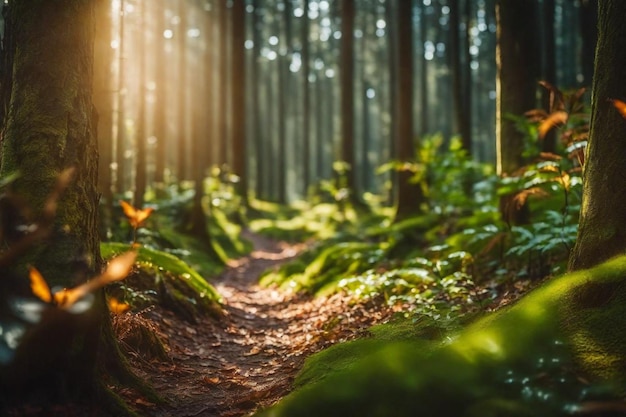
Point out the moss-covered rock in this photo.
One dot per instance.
(525, 360)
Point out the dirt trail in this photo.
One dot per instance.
(248, 359)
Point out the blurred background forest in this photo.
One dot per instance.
(186, 89)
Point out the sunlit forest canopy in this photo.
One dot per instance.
(168, 80)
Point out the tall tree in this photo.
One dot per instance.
(516, 87)
(160, 105)
(222, 117)
(602, 229)
(459, 57)
(50, 127)
(238, 102)
(410, 195)
(306, 98)
(103, 100)
(183, 154)
(589, 28)
(141, 170)
(347, 95)
(120, 139)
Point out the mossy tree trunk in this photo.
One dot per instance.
(50, 127)
(602, 230)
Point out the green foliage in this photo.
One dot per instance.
(165, 229)
(522, 361)
(164, 278)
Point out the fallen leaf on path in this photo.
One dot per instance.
(254, 351)
(141, 401)
(211, 380)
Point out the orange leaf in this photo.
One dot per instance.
(135, 216)
(39, 286)
(557, 118)
(117, 307)
(118, 268)
(619, 105)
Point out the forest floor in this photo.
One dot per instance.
(248, 359)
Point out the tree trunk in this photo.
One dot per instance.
(238, 103)
(140, 137)
(103, 100)
(120, 140)
(589, 29)
(160, 105)
(460, 85)
(602, 230)
(50, 126)
(306, 102)
(515, 87)
(182, 163)
(347, 95)
(410, 196)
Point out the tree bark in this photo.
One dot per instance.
(515, 89)
(602, 229)
(347, 94)
(103, 100)
(238, 103)
(410, 196)
(50, 126)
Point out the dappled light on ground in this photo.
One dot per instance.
(248, 358)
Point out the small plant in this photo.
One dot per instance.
(136, 217)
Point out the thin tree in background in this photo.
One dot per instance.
(347, 95)
(140, 136)
(410, 195)
(259, 136)
(548, 67)
(238, 103)
(103, 101)
(182, 164)
(222, 117)
(461, 89)
(120, 140)
(516, 86)
(202, 100)
(160, 105)
(589, 34)
(306, 99)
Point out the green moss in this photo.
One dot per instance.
(522, 361)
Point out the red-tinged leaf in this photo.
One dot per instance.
(39, 286)
(619, 105)
(556, 96)
(521, 197)
(549, 156)
(536, 115)
(558, 118)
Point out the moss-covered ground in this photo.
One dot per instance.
(560, 350)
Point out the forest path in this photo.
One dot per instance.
(248, 359)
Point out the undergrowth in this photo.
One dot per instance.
(453, 258)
